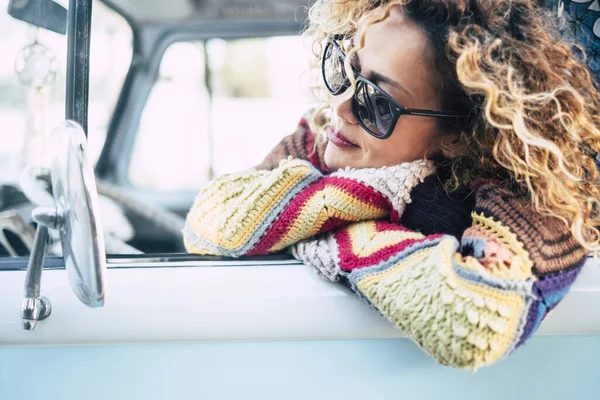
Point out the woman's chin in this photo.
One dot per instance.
(339, 158)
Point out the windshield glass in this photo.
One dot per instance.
(258, 92)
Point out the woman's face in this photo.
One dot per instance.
(396, 57)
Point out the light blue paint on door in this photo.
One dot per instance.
(557, 367)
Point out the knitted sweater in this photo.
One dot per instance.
(433, 209)
(468, 303)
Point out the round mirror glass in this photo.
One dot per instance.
(76, 198)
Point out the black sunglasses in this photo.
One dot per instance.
(375, 110)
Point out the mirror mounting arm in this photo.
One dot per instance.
(74, 215)
(35, 307)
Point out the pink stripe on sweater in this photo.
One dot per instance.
(349, 261)
(291, 212)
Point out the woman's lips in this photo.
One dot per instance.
(339, 140)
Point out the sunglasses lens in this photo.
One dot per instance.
(333, 69)
(373, 109)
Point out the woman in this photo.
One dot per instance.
(465, 195)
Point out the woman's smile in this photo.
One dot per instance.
(339, 140)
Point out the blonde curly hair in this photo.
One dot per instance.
(532, 105)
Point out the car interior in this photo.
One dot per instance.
(142, 208)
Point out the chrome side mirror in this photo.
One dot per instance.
(75, 216)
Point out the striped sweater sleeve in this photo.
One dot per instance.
(468, 303)
(264, 211)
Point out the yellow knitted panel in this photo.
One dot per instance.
(366, 240)
(191, 248)
(346, 206)
(458, 322)
(231, 208)
(329, 202)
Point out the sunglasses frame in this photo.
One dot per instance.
(396, 108)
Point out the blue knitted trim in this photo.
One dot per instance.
(517, 286)
(476, 244)
(382, 266)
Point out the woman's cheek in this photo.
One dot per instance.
(336, 158)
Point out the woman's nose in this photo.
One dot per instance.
(343, 106)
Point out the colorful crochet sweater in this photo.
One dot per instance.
(467, 302)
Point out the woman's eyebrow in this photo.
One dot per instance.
(375, 76)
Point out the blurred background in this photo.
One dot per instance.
(259, 91)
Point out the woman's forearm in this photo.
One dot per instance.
(466, 303)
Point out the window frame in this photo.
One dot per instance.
(267, 299)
